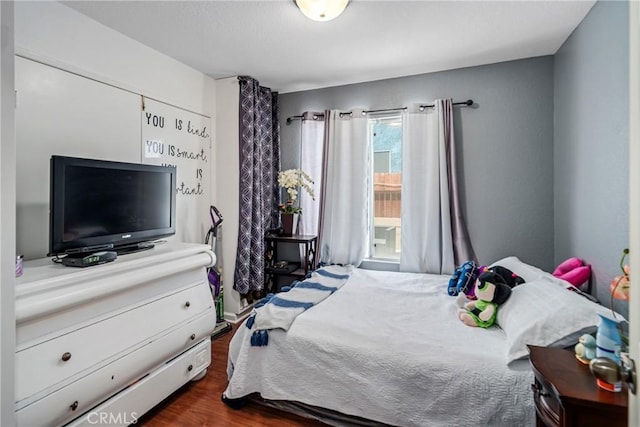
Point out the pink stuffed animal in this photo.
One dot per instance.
(574, 271)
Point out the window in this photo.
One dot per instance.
(385, 136)
(381, 161)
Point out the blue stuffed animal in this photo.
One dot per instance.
(463, 279)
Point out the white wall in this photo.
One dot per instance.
(228, 175)
(58, 35)
(7, 217)
(79, 85)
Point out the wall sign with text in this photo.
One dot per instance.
(176, 137)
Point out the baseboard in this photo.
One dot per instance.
(238, 317)
(221, 329)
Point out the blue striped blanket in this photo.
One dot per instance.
(278, 311)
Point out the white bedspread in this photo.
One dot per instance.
(388, 347)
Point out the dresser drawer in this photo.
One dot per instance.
(84, 394)
(127, 406)
(46, 364)
(547, 405)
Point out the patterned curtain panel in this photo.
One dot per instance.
(259, 192)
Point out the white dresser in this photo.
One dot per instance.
(104, 344)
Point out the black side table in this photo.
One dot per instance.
(276, 267)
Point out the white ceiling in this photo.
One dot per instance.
(273, 42)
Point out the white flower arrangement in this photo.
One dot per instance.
(292, 180)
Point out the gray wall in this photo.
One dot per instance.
(504, 143)
(591, 143)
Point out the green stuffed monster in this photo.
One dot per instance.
(491, 290)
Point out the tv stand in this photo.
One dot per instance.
(110, 342)
(136, 247)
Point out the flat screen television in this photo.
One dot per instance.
(100, 205)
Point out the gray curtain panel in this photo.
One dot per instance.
(259, 192)
(322, 194)
(462, 248)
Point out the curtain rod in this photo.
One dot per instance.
(466, 103)
(301, 117)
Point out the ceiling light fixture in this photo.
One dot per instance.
(322, 10)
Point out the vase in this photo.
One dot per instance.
(608, 344)
(289, 223)
(608, 339)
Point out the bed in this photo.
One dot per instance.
(388, 349)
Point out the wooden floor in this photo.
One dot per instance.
(198, 403)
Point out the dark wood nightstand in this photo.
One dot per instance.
(294, 269)
(566, 394)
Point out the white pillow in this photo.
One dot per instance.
(544, 312)
(528, 272)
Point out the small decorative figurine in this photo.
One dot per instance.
(586, 348)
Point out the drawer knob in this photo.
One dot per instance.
(74, 405)
(66, 356)
(187, 304)
(193, 337)
(190, 368)
(538, 390)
